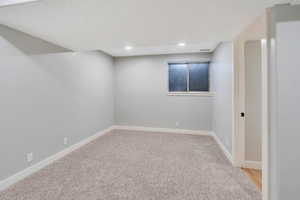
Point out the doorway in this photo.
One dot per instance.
(252, 163)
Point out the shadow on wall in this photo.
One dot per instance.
(27, 44)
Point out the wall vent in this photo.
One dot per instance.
(204, 50)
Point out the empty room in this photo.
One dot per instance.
(149, 100)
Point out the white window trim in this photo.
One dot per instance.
(207, 94)
(188, 93)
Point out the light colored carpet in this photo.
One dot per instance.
(139, 166)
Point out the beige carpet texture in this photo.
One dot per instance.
(135, 165)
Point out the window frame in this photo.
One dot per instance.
(188, 93)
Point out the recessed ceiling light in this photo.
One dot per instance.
(128, 48)
(181, 44)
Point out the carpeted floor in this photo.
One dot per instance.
(132, 165)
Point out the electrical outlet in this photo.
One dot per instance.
(177, 124)
(30, 157)
(65, 141)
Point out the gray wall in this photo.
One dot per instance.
(288, 97)
(222, 86)
(283, 101)
(253, 100)
(142, 95)
(46, 97)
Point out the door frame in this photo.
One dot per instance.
(278, 13)
(265, 120)
(239, 136)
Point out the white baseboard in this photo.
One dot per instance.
(252, 164)
(223, 148)
(36, 167)
(164, 130)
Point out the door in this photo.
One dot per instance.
(253, 104)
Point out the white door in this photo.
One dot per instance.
(253, 104)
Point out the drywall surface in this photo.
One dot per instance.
(47, 97)
(142, 95)
(222, 86)
(284, 96)
(25, 44)
(287, 149)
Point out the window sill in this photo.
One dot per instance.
(205, 94)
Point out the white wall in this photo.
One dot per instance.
(288, 126)
(222, 86)
(283, 102)
(48, 94)
(15, 43)
(142, 95)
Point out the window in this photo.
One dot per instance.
(189, 77)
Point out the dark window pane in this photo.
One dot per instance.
(178, 77)
(198, 77)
